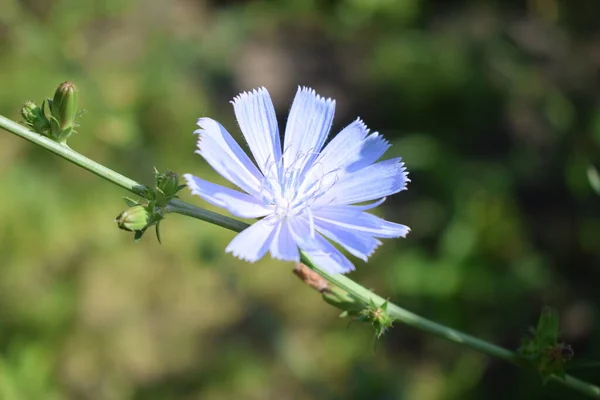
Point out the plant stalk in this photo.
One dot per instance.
(354, 289)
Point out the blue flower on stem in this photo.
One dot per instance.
(303, 193)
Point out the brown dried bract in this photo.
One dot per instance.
(310, 277)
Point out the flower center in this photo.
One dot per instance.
(283, 208)
(292, 190)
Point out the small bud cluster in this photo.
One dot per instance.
(150, 211)
(56, 117)
(377, 316)
(542, 349)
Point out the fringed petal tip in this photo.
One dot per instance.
(203, 131)
(189, 181)
(399, 230)
(372, 135)
(346, 270)
(404, 175)
(362, 125)
(408, 230)
(384, 142)
(202, 122)
(259, 91)
(366, 257)
(320, 99)
(240, 256)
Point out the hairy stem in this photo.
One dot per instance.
(345, 283)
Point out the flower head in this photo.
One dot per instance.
(303, 193)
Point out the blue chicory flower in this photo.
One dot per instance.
(303, 195)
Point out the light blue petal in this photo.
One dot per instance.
(256, 116)
(334, 154)
(370, 183)
(237, 203)
(320, 251)
(349, 151)
(330, 163)
(253, 242)
(307, 128)
(351, 218)
(283, 246)
(371, 150)
(358, 244)
(369, 206)
(221, 151)
(329, 258)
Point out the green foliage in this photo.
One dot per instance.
(542, 348)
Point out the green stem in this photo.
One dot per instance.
(353, 288)
(183, 208)
(359, 292)
(68, 154)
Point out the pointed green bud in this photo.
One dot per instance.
(64, 105)
(133, 219)
(168, 183)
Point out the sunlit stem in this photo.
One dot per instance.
(353, 288)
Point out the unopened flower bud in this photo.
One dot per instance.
(34, 118)
(28, 111)
(64, 105)
(133, 219)
(168, 183)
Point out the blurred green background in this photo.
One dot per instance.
(494, 106)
